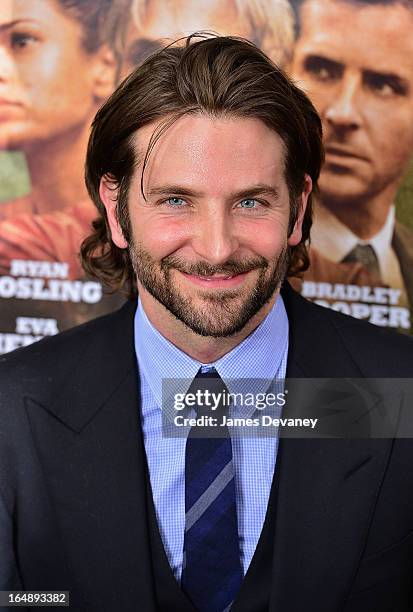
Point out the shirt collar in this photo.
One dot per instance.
(335, 240)
(258, 356)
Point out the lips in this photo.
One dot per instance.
(216, 281)
(7, 102)
(344, 153)
(215, 277)
(10, 109)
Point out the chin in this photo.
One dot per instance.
(13, 140)
(8, 143)
(341, 189)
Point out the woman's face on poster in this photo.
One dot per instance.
(50, 85)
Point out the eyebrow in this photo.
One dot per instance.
(250, 192)
(314, 60)
(7, 26)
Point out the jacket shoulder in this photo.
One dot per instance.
(42, 360)
(378, 351)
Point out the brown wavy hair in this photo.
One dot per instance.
(216, 76)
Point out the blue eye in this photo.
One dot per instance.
(176, 202)
(248, 203)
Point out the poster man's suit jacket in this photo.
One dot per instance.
(73, 511)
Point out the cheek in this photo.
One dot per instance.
(270, 247)
(392, 143)
(394, 138)
(323, 99)
(320, 94)
(43, 76)
(160, 236)
(54, 87)
(265, 237)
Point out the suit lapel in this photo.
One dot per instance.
(403, 246)
(326, 488)
(90, 446)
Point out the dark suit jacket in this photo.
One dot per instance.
(72, 476)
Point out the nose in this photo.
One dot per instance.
(215, 240)
(7, 65)
(344, 111)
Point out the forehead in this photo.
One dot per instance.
(166, 18)
(39, 11)
(212, 153)
(368, 37)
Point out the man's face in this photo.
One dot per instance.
(356, 63)
(209, 242)
(49, 85)
(166, 21)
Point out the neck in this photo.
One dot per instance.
(365, 216)
(204, 349)
(56, 171)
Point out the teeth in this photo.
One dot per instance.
(216, 277)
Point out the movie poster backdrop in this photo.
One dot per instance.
(60, 60)
(355, 60)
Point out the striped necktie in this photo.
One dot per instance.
(212, 573)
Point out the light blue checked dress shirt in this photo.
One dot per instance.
(262, 355)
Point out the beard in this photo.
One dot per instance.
(222, 313)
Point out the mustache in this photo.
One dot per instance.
(202, 268)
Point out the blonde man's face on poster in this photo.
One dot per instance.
(165, 21)
(267, 23)
(356, 62)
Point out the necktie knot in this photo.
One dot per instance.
(366, 255)
(211, 393)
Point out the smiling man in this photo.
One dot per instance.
(194, 257)
(201, 166)
(355, 60)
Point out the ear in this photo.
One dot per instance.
(109, 196)
(104, 73)
(296, 234)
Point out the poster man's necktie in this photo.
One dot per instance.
(212, 571)
(366, 255)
